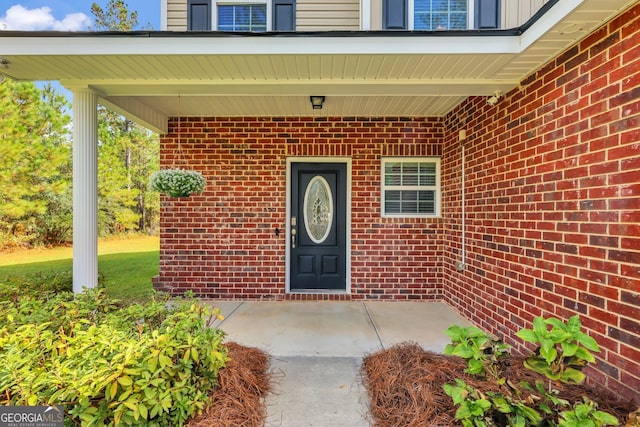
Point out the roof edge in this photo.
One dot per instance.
(274, 34)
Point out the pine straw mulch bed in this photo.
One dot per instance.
(404, 385)
(243, 383)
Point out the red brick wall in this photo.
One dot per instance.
(553, 201)
(222, 244)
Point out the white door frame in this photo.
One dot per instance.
(343, 160)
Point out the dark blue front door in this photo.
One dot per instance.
(318, 226)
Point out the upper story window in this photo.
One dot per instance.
(242, 17)
(432, 15)
(411, 187)
(440, 14)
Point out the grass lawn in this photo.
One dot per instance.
(126, 265)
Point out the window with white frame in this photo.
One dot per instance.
(440, 15)
(241, 16)
(411, 187)
(433, 15)
(230, 15)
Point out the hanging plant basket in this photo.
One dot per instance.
(177, 182)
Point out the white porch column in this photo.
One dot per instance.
(85, 189)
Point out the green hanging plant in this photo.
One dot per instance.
(177, 182)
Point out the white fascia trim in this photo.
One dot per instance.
(547, 21)
(256, 45)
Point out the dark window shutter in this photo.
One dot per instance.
(487, 14)
(394, 14)
(199, 15)
(284, 15)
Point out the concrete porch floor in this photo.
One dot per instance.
(317, 349)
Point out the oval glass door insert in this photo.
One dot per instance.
(318, 209)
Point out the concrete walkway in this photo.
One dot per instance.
(317, 349)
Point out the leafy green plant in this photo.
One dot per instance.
(586, 414)
(562, 353)
(548, 401)
(563, 349)
(481, 351)
(478, 409)
(516, 412)
(473, 406)
(35, 283)
(108, 364)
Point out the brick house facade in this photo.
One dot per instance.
(223, 243)
(552, 200)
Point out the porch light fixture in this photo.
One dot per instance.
(317, 101)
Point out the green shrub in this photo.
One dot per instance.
(563, 350)
(586, 414)
(152, 364)
(473, 406)
(481, 351)
(36, 284)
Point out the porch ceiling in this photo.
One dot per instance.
(140, 74)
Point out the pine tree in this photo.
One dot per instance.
(35, 162)
(128, 153)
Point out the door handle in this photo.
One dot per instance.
(294, 223)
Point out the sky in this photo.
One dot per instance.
(68, 15)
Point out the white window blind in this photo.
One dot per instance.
(242, 17)
(411, 187)
(440, 14)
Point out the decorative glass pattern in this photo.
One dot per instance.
(440, 15)
(318, 209)
(242, 17)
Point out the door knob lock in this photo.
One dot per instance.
(294, 223)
